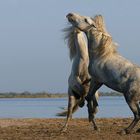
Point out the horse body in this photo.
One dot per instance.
(79, 72)
(107, 66)
(79, 79)
(119, 75)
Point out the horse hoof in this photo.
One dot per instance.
(97, 129)
(138, 130)
(122, 132)
(82, 104)
(87, 98)
(125, 132)
(63, 130)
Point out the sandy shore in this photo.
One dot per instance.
(79, 129)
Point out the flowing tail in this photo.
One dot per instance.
(75, 108)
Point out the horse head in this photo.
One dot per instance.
(98, 37)
(81, 22)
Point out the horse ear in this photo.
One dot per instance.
(99, 22)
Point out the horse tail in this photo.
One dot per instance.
(64, 113)
(75, 108)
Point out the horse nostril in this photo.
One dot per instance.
(69, 15)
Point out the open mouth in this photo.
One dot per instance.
(70, 19)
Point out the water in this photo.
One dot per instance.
(48, 107)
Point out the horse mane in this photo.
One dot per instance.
(106, 46)
(69, 37)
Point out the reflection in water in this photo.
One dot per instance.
(48, 107)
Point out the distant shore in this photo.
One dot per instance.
(47, 95)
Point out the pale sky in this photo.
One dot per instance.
(33, 54)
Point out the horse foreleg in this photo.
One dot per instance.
(71, 104)
(76, 85)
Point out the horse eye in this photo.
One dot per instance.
(86, 20)
(93, 25)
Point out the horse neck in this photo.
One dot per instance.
(99, 47)
(81, 45)
(90, 44)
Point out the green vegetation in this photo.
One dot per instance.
(47, 95)
(110, 93)
(32, 95)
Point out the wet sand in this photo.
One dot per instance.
(79, 129)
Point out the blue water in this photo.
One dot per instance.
(48, 107)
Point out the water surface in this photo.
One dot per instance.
(48, 107)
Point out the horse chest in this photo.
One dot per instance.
(103, 73)
(95, 70)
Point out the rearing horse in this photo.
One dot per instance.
(107, 66)
(79, 79)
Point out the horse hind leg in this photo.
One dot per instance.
(93, 120)
(92, 116)
(92, 110)
(71, 104)
(138, 130)
(134, 106)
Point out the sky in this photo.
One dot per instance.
(33, 54)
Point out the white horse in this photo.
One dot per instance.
(107, 66)
(79, 79)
